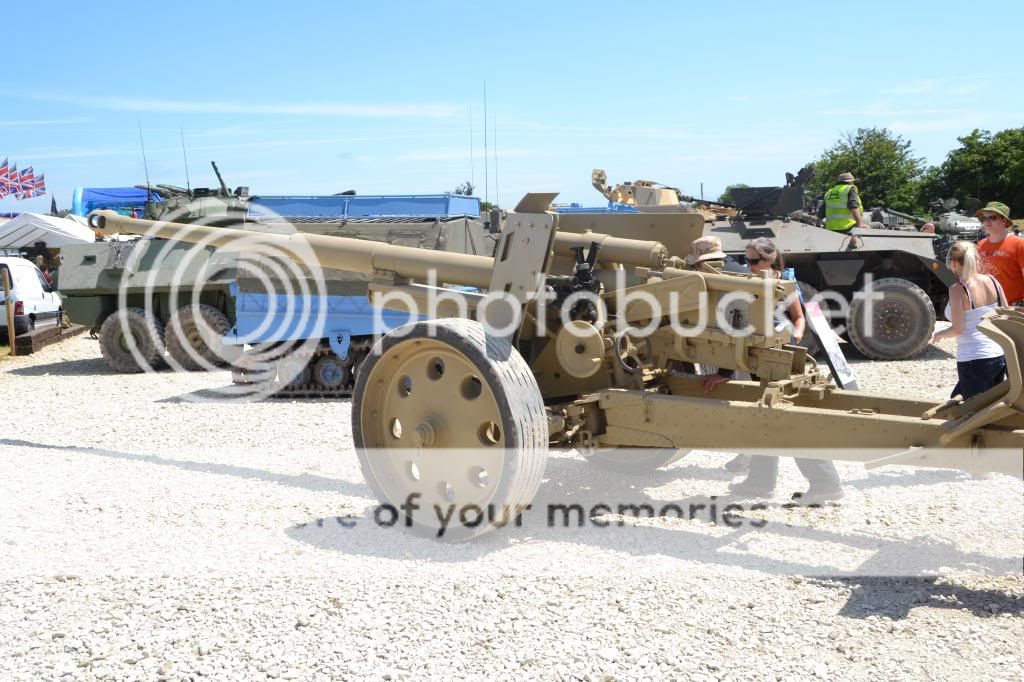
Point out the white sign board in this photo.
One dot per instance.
(819, 326)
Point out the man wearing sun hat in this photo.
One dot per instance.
(1002, 253)
(709, 250)
(842, 208)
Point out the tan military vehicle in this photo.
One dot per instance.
(898, 268)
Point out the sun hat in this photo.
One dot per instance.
(705, 249)
(995, 207)
(846, 177)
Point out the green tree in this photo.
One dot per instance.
(888, 173)
(726, 197)
(985, 166)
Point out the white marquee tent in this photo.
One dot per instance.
(29, 228)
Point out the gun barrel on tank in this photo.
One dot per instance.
(223, 187)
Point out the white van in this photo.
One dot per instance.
(35, 304)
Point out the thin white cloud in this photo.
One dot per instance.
(50, 122)
(962, 123)
(178, 106)
(462, 154)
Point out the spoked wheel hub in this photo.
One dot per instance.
(435, 425)
(446, 422)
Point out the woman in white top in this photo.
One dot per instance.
(980, 364)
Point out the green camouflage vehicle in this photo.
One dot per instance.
(157, 297)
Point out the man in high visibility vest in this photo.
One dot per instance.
(842, 208)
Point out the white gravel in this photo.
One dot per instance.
(147, 536)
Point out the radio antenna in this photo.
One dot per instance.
(188, 183)
(472, 162)
(494, 137)
(145, 164)
(487, 180)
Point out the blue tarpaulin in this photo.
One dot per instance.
(121, 199)
(363, 206)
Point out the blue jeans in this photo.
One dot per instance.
(977, 376)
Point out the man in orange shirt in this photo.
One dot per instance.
(1002, 253)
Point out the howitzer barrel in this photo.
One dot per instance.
(646, 254)
(367, 257)
(342, 253)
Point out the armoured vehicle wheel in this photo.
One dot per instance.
(444, 413)
(195, 338)
(902, 322)
(635, 460)
(127, 325)
(332, 373)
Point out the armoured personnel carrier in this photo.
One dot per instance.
(198, 305)
(453, 417)
(908, 282)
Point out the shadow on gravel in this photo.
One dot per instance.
(304, 481)
(775, 539)
(930, 352)
(895, 597)
(68, 368)
(903, 478)
(236, 394)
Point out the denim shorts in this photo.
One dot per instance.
(977, 376)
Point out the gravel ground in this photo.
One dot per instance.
(148, 536)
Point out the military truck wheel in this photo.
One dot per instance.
(902, 322)
(635, 460)
(195, 338)
(446, 420)
(121, 329)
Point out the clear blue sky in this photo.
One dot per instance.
(320, 97)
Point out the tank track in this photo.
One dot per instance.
(306, 384)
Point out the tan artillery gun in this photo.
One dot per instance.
(582, 337)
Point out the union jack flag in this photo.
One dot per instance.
(4, 186)
(13, 180)
(27, 184)
(39, 185)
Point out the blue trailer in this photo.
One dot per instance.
(341, 322)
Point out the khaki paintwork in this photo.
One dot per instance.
(638, 398)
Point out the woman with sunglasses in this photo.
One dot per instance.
(821, 475)
(1002, 253)
(980, 363)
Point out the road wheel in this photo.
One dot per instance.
(195, 338)
(131, 340)
(901, 323)
(447, 414)
(332, 373)
(635, 460)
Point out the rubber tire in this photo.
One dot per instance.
(923, 323)
(181, 349)
(524, 419)
(145, 327)
(654, 459)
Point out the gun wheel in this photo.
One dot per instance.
(449, 422)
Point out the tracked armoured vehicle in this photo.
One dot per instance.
(900, 266)
(453, 417)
